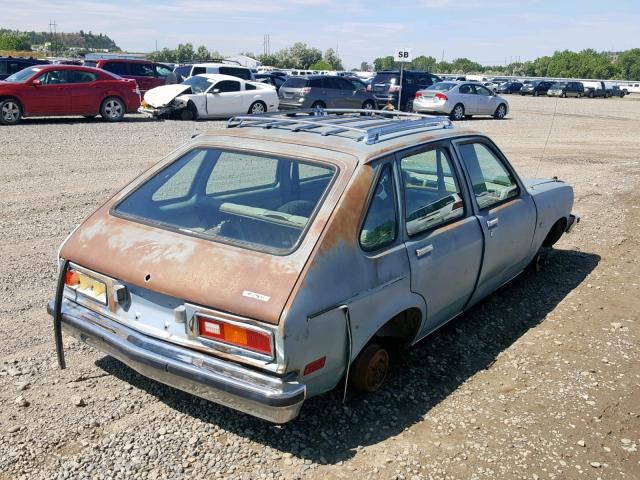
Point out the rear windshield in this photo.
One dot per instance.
(262, 202)
(90, 63)
(295, 83)
(385, 78)
(442, 86)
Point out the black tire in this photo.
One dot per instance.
(535, 94)
(535, 265)
(370, 368)
(113, 109)
(189, 113)
(318, 104)
(457, 113)
(579, 95)
(555, 233)
(10, 111)
(409, 106)
(501, 112)
(563, 95)
(257, 108)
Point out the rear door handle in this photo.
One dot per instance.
(426, 250)
(492, 223)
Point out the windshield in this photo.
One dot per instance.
(198, 84)
(386, 78)
(442, 86)
(23, 75)
(234, 197)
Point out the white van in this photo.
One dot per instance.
(222, 68)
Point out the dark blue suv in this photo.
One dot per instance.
(11, 65)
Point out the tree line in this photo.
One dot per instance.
(564, 64)
(22, 41)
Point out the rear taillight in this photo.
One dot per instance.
(234, 334)
(86, 285)
(306, 90)
(441, 96)
(418, 95)
(394, 88)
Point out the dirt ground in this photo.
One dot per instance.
(539, 381)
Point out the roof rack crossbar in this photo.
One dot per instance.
(369, 132)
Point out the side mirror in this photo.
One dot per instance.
(36, 83)
(215, 90)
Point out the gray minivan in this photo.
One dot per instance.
(323, 91)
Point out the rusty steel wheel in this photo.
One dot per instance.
(370, 368)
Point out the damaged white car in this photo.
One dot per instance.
(209, 96)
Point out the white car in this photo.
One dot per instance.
(210, 96)
(460, 100)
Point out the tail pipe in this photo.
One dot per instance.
(57, 316)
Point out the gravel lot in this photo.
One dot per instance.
(540, 381)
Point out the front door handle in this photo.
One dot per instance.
(426, 250)
(492, 223)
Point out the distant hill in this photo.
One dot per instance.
(79, 39)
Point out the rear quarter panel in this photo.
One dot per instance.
(553, 200)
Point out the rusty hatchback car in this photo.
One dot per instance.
(262, 264)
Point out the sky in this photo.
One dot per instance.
(487, 31)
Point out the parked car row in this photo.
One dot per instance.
(460, 100)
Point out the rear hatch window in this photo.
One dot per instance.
(262, 202)
(295, 83)
(382, 81)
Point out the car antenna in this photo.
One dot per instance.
(546, 142)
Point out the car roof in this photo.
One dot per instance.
(217, 64)
(122, 60)
(289, 132)
(219, 76)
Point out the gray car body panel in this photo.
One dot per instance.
(294, 98)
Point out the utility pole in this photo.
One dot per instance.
(52, 33)
(156, 45)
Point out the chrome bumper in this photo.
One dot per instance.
(573, 221)
(219, 381)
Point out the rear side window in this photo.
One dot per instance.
(227, 86)
(77, 76)
(235, 197)
(248, 86)
(318, 83)
(295, 83)
(492, 182)
(198, 70)
(141, 70)
(3, 67)
(119, 68)
(162, 70)
(380, 227)
(236, 72)
(431, 191)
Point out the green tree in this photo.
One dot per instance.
(426, 64)
(464, 65)
(384, 63)
(628, 64)
(321, 65)
(364, 67)
(202, 53)
(14, 41)
(184, 53)
(331, 57)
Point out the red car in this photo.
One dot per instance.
(57, 90)
(146, 73)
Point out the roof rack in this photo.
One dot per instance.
(369, 126)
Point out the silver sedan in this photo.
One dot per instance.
(460, 100)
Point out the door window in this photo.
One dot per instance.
(162, 71)
(380, 227)
(492, 182)
(431, 191)
(53, 77)
(77, 76)
(119, 68)
(227, 86)
(141, 70)
(483, 91)
(466, 89)
(236, 72)
(344, 84)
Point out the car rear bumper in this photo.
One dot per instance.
(432, 107)
(219, 381)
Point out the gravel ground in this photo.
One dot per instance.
(540, 381)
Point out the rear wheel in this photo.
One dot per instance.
(563, 95)
(579, 95)
(257, 108)
(370, 368)
(535, 94)
(10, 112)
(500, 112)
(318, 105)
(368, 105)
(113, 109)
(458, 112)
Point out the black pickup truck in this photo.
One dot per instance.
(600, 90)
